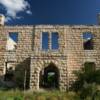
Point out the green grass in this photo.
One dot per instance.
(30, 95)
(44, 95)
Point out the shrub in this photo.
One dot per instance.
(85, 77)
(88, 91)
(18, 98)
(86, 83)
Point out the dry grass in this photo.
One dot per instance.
(30, 95)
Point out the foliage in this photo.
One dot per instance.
(88, 90)
(31, 95)
(88, 80)
(86, 77)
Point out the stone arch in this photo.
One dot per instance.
(38, 65)
(49, 76)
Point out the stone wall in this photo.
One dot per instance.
(23, 51)
(69, 57)
(77, 56)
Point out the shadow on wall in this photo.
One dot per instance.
(18, 78)
(22, 74)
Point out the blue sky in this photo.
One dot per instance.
(55, 12)
(14, 36)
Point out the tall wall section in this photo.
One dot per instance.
(29, 54)
(40, 59)
(20, 57)
(76, 55)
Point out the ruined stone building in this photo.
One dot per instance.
(38, 51)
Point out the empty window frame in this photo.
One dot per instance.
(89, 66)
(54, 41)
(45, 40)
(12, 41)
(88, 41)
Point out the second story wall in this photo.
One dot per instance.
(59, 41)
(49, 40)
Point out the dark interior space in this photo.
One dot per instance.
(18, 77)
(49, 77)
(89, 66)
(88, 45)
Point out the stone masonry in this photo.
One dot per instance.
(69, 57)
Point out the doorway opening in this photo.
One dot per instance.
(9, 72)
(49, 77)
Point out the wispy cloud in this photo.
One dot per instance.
(29, 12)
(13, 7)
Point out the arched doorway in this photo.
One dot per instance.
(49, 77)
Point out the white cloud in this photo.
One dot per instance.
(29, 12)
(13, 7)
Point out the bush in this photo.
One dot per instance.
(88, 91)
(86, 83)
(18, 98)
(85, 77)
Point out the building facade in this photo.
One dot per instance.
(38, 52)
